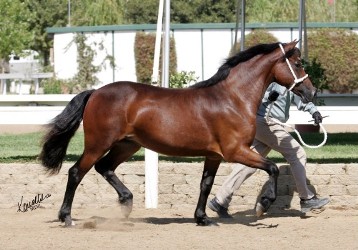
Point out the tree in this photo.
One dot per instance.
(92, 13)
(139, 11)
(181, 11)
(15, 35)
(262, 11)
(45, 13)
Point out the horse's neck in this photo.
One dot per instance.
(250, 81)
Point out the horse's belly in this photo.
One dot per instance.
(176, 146)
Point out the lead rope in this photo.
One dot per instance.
(269, 119)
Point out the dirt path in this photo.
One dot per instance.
(175, 229)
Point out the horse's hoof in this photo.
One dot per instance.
(262, 206)
(213, 224)
(126, 208)
(206, 222)
(69, 222)
(64, 217)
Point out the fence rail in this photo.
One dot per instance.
(40, 109)
(22, 77)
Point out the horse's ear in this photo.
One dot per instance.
(295, 41)
(293, 44)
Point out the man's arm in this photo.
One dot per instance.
(308, 107)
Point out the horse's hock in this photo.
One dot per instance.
(178, 186)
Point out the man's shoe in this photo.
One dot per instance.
(220, 210)
(313, 203)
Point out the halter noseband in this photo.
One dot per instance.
(297, 80)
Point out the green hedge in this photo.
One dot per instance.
(332, 57)
(144, 57)
(337, 52)
(253, 38)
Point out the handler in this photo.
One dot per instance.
(270, 135)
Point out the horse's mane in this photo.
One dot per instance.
(231, 62)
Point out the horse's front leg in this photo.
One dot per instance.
(254, 160)
(210, 168)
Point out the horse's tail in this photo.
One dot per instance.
(60, 131)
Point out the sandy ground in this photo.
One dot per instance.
(105, 228)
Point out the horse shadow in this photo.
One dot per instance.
(248, 217)
(245, 217)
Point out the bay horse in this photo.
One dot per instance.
(214, 118)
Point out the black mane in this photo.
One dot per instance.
(231, 62)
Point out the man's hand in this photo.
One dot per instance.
(317, 117)
(273, 96)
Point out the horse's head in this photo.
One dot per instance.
(288, 71)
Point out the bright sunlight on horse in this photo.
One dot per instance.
(214, 118)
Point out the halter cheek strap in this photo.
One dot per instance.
(271, 119)
(297, 80)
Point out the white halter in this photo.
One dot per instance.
(270, 119)
(297, 80)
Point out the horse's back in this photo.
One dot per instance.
(168, 121)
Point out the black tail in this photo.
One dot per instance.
(60, 131)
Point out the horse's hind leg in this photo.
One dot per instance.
(75, 175)
(211, 166)
(120, 152)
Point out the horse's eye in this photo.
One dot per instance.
(298, 64)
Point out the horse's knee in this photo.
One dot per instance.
(273, 170)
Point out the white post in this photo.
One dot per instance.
(166, 50)
(3, 81)
(151, 157)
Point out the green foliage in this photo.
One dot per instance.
(288, 11)
(45, 13)
(335, 50)
(25, 148)
(316, 73)
(15, 35)
(139, 11)
(253, 38)
(144, 55)
(181, 11)
(339, 148)
(86, 70)
(92, 13)
(261, 11)
(85, 77)
(331, 63)
(259, 36)
(182, 79)
(51, 86)
(56, 86)
(199, 11)
(339, 11)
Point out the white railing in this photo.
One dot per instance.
(21, 78)
(31, 109)
(40, 109)
(346, 115)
